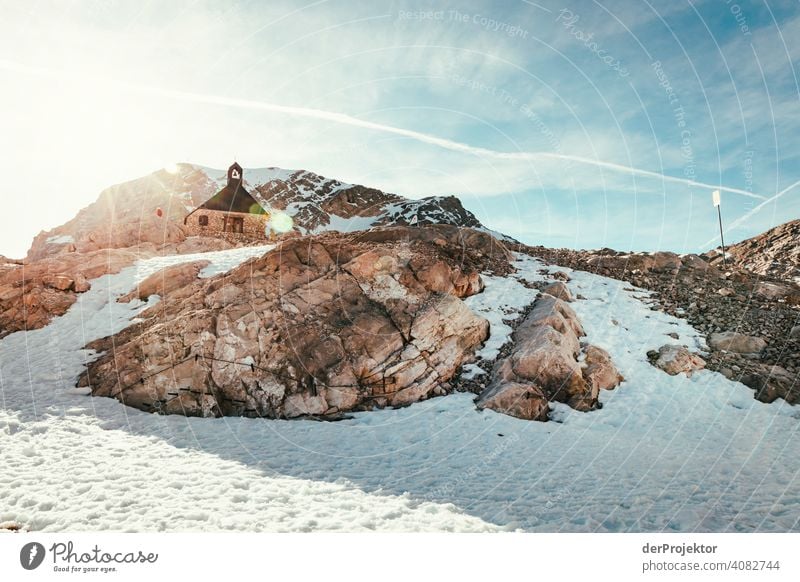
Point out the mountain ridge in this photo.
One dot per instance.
(773, 253)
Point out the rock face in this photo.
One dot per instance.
(739, 343)
(676, 360)
(318, 204)
(319, 326)
(543, 366)
(31, 294)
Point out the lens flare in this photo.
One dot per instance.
(281, 222)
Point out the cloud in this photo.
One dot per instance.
(344, 119)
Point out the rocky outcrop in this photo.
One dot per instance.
(146, 216)
(31, 294)
(774, 253)
(676, 360)
(319, 326)
(731, 341)
(125, 215)
(544, 366)
(6, 263)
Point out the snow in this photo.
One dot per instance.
(60, 239)
(496, 234)
(351, 224)
(258, 176)
(503, 299)
(319, 185)
(664, 453)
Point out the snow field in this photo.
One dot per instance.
(665, 453)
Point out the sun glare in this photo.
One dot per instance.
(281, 222)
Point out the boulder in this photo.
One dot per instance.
(772, 382)
(739, 343)
(773, 290)
(676, 360)
(60, 282)
(692, 261)
(548, 358)
(543, 365)
(551, 311)
(81, 285)
(559, 290)
(525, 401)
(599, 371)
(319, 326)
(664, 261)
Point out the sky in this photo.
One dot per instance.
(580, 124)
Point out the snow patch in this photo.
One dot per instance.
(60, 239)
(503, 298)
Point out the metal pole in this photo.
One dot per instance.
(722, 238)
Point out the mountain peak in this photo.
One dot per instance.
(150, 210)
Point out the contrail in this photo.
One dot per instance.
(733, 225)
(345, 119)
(448, 144)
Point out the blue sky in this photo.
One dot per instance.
(551, 120)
